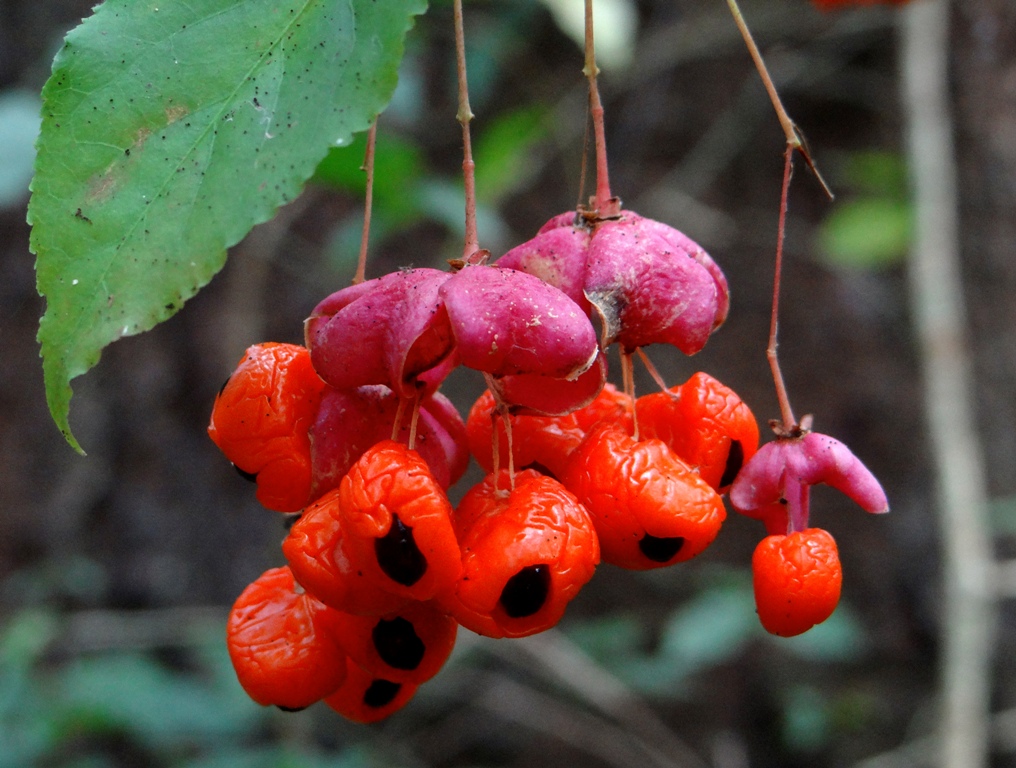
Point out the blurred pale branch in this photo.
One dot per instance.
(967, 620)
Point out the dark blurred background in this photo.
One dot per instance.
(117, 569)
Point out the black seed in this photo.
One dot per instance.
(223, 387)
(380, 693)
(660, 550)
(543, 470)
(251, 476)
(526, 592)
(397, 643)
(399, 557)
(290, 709)
(735, 459)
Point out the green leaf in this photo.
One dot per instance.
(866, 233)
(805, 719)
(398, 165)
(169, 130)
(134, 694)
(27, 730)
(505, 153)
(710, 629)
(841, 637)
(877, 173)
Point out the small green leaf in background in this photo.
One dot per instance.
(866, 233)
(19, 127)
(711, 628)
(27, 729)
(805, 719)
(814, 717)
(871, 228)
(134, 694)
(875, 172)
(839, 638)
(398, 166)
(169, 130)
(504, 153)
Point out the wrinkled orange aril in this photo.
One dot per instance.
(649, 508)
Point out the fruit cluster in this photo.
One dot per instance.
(351, 429)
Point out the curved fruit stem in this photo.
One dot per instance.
(653, 372)
(471, 252)
(798, 498)
(400, 412)
(500, 411)
(794, 140)
(368, 197)
(606, 205)
(787, 414)
(503, 410)
(628, 383)
(583, 168)
(414, 420)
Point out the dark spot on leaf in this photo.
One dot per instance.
(399, 557)
(381, 693)
(526, 592)
(397, 643)
(660, 550)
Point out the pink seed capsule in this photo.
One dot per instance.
(648, 289)
(392, 330)
(507, 322)
(351, 421)
(646, 281)
(782, 472)
(557, 255)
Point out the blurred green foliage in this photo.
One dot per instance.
(407, 190)
(717, 626)
(872, 227)
(93, 709)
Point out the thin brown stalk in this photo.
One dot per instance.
(605, 203)
(786, 412)
(511, 452)
(794, 140)
(400, 412)
(368, 167)
(471, 252)
(413, 422)
(500, 412)
(628, 382)
(653, 372)
(584, 167)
